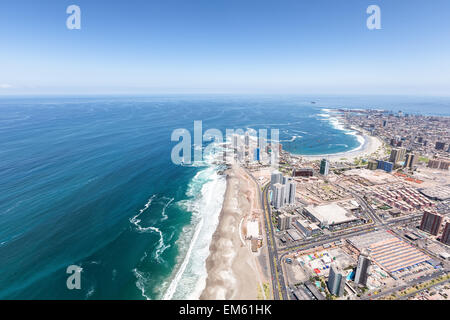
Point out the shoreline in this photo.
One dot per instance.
(369, 146)
(231, 275)
(230, 272)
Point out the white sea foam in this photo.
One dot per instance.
(324, 115)
(161, 247)
(295, 137)
(135, 220)
(337, 124)
(176, 280)
(90, 292)
(206, 192)
(165, 217)
(141, 282)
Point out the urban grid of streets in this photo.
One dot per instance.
(279, 289)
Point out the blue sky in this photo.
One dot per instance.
(225, 46)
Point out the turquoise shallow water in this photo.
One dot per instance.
(89, 181)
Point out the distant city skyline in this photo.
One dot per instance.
(237, 47)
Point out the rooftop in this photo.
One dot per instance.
(330, 213)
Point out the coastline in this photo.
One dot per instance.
(231, 271)
(369, 145)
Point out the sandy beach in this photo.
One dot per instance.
(370, 146)
(232, 269)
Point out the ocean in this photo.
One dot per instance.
(89, 181)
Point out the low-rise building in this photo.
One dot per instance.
(307, 228)
(329, 214)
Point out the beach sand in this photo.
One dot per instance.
(370, 146)
(232, 271)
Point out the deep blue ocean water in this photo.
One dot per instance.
(89, 181)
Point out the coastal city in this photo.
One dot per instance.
(372, 223)
(225, 159)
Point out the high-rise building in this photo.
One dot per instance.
(284, 222)
(235, 141)
(431, 222)
(362, 268)
(336, 281)
(257, 154)
(287, 184)
(397, 154)
(283, 189)
(445, 238)
(411, 160)
(372, 165)
(291, 187)
(396, 141)
(247, 139)
(393, 143)
(439, 145)
(434, 163)
(278, 195)
(444, 164)
(276, 177)
(386, 166)
(324, 167)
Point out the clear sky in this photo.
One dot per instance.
(225, 46)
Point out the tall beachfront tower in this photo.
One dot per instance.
(336, 281)
(324, 167)
(362, 268)
(257, 155)
(411, 160)
(283, 189)
(397, 154)
(278, 192)
(292, 191)
(276, 177)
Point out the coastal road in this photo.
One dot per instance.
(324, 240)
(410, 284)
(275, 268)
(278, 285)
(282, 288)
(405, 297)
